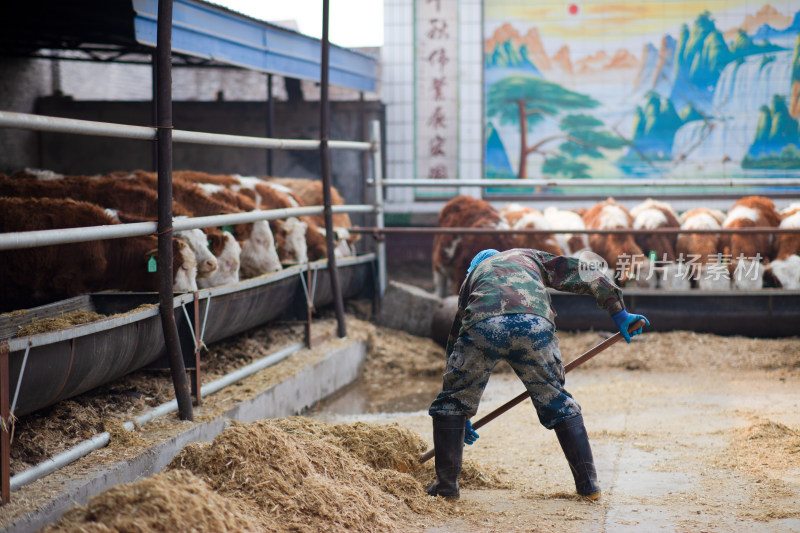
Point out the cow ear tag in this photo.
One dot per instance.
(229, 229)
(152, 264)
(652, 256)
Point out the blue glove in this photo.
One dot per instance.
(470, 435)
(624, 319)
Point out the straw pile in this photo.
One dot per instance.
(762, 448)
(66, 320)
(168, 502)
(277, 475)
(400, 354)
(304, 480)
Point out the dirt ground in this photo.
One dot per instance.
(690, 432)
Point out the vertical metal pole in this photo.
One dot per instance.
(363, 156)
(154, 106)
(270, 121)
(309, 307)
(325, 156)
(165, 289)
(377, 170)
(5, 428)
(197, 382)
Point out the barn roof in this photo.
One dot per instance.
(203, 34)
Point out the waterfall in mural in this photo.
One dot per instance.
(693, 89)
(743, 88)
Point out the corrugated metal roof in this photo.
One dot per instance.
(201, 30)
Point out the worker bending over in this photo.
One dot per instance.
(504, 313)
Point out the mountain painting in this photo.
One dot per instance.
(629, 89)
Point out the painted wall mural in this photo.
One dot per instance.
(672, 89)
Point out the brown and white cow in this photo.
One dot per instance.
(309, 192)
(228, 253)
(452, 253)
(620, 251)
(785, 268)
(562, 219)
(749, 253)
(296, 239)
(654, 214)
(519, 216)
(698, 254)
(124, 200)
(37, 275)
(258, 249)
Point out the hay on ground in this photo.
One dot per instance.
(120, 436)
(397, 353)
(762, 448)
(168, 502)
(307, 483)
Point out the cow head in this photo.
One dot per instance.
(184, 267)
(258, 253)
(198, 242)
(228, 253)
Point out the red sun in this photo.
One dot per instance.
(572, 9)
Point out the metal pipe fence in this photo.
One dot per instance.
(591, 183)
(11, 119)
(531, 231)
(162, 134)
(34, 239)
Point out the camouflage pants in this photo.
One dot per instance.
(529, 344)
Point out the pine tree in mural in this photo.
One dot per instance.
(524, 101)
(777, 138)
(795, 97)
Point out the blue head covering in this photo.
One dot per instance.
(480, 256)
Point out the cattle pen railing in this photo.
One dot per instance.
(31, 239)
(165, 135)
(785, 188)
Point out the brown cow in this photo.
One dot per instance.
(453, 253)
(38, 275)
(126, 197)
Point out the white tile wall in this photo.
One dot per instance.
(398, 93)
(470, 93)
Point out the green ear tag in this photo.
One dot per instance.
(152, 264)
(229, 229)
(652, 256)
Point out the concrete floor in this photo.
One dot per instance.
(674, 451)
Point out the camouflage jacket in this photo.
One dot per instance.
(515, 281)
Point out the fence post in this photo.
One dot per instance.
(325, 156)
(5, 427)
(377, 172)
(166, 296)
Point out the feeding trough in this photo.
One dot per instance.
(60, 364)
